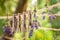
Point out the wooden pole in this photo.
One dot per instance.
(22, 6)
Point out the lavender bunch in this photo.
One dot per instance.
(30, 33)
(32, 26)
(30, 18)
(31, 30)
(7, 30)
(54, 16)
(35, 23)
(51, 17)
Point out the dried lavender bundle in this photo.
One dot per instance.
(24, 21)
(30, 20)
(20, 21)
(35, 20)
(14, 22)
(30, 33)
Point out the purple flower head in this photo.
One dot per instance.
(32, 26)
(30, 33)
(10, 33)
(54, 16)
(6, 30)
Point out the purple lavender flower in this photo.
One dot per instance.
(54, 16)
(6, 30)
(51, 18)
(32, 26)
(30, 33)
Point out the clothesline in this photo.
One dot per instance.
(52, 29)
(5, 17)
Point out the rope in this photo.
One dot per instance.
(4, 17)
(52, 29)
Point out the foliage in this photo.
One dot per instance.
(54, 10)
(2, 23)
(53, 2)
(7, 6)
(56, 22)
(41, 4)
